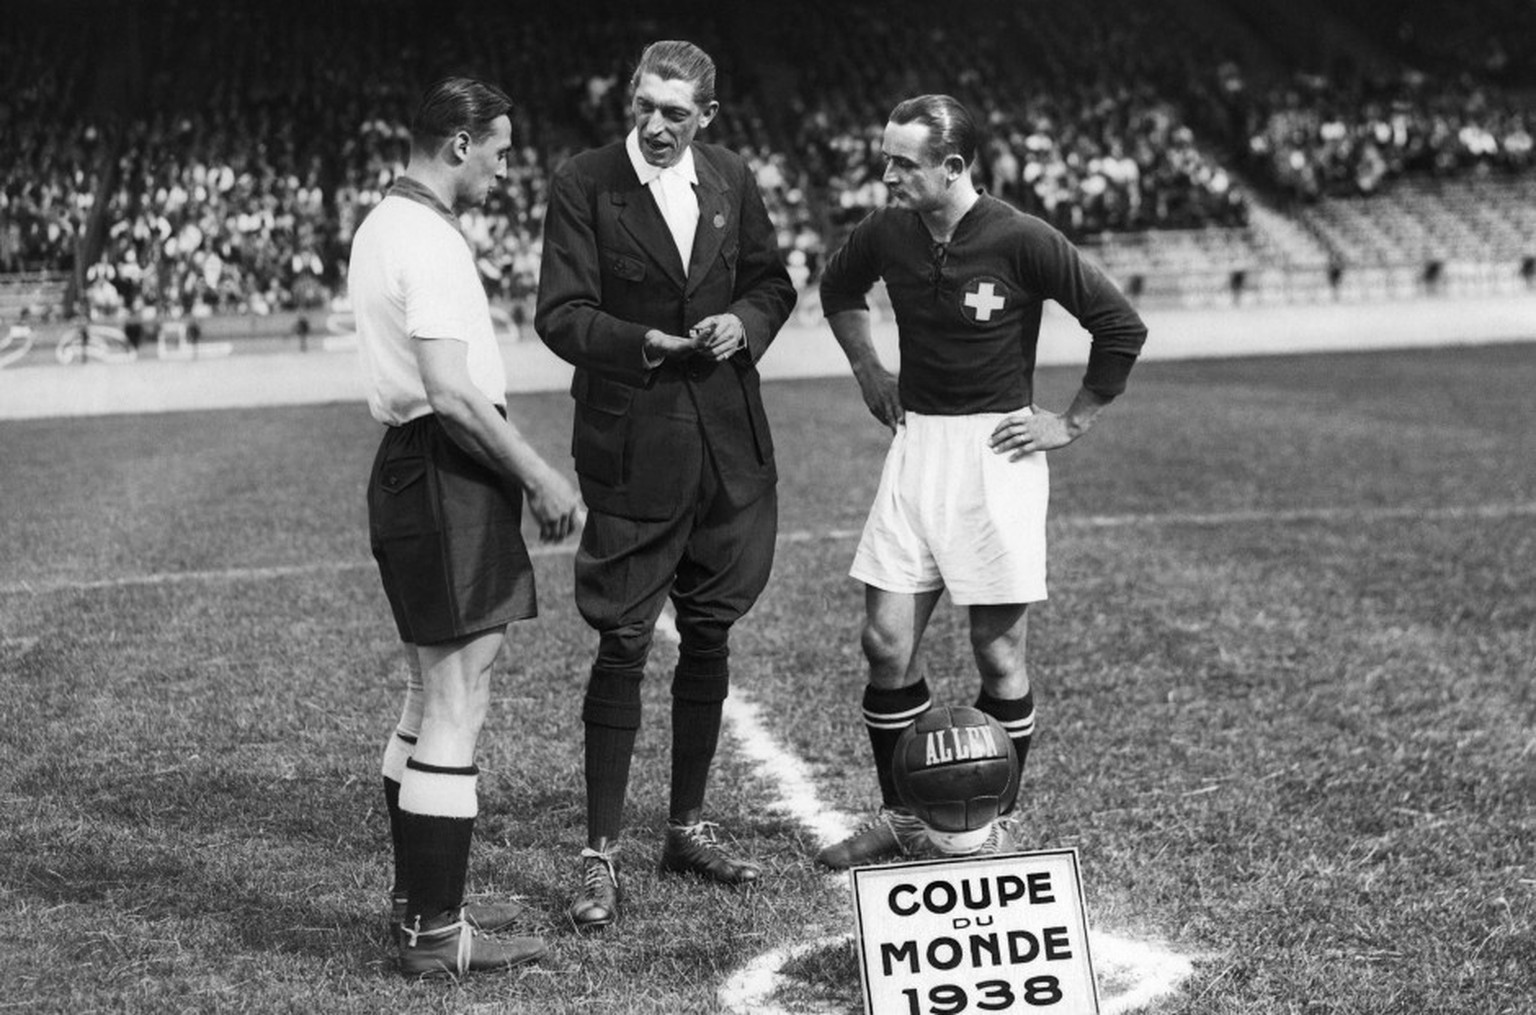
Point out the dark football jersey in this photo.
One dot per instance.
(968, 312)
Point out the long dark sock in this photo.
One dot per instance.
(611, 717)
(1017, 717)
(437, 818)
(699, 689)
(887, 713)
(396, 754)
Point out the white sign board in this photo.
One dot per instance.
(1001, 933)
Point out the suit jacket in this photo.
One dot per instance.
(610, 273)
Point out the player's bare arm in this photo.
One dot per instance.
(475, 425)
(1021, 434)
(878, 385)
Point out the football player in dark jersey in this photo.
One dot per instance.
(962, 498)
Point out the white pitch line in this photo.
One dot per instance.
(782, 769)
(232, 574)
(1149, 970)
(1455, 512)
(1474, 512)
(228, 574)
(791, 777)
(748, 990)
(1153, 972)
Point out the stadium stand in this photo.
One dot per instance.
(181, 158)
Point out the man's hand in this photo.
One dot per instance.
(556, 506)
(879, 388)
(720, 336)
(1025, 433)
(659, 346)
(876, 383)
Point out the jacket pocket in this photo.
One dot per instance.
(601, 428)
(622, 265)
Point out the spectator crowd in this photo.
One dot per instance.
(217, 158)
(1317, 136)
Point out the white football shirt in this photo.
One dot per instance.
(412, 277)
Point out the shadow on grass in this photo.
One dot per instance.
(221, 803)
(131, 882)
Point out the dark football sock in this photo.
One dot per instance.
(611, 718)
(437, 821)
(396, 754)
(1017, 717)
(392, 802)
(887, 714)
(699, 688)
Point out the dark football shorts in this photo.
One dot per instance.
(447, 535)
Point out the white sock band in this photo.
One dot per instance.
(396, 753)
(440, 793)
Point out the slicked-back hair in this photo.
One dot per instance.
(455, 104)
(951, 131)
(675, 60)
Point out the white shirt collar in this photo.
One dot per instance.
(649, 173)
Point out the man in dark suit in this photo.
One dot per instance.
(662, 283)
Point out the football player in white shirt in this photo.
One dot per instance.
(444, 507)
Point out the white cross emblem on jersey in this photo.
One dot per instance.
(984, 300)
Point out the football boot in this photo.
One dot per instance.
(694, 849)
(893, 832)
(1002, 839)
(597, 902)
(448, 946)
(1013, 824)
(489, 916)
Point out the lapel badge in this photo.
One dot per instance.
(719, 221)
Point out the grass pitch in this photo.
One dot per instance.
(1285, 688)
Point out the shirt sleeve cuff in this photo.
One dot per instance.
(1108, 372)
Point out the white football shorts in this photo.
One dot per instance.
(951, 513)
